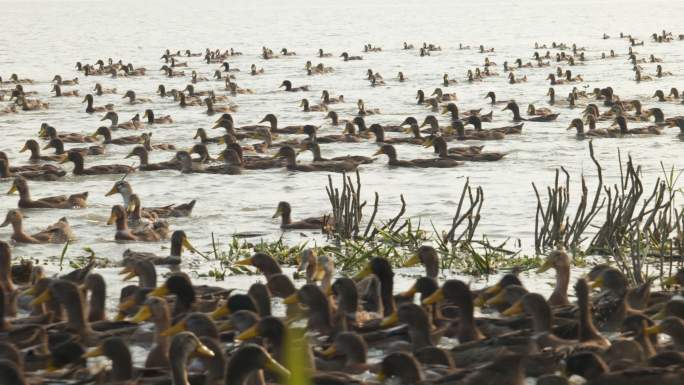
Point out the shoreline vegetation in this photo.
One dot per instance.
(638, 228)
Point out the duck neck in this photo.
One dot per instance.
(386, 289)
(441, 149)
(587, 330)
(98, 295)
(316, 150)
(144, 155)
(285, 217)
(542, 319)
(560, 292)
(379, 135)
(122, 366)
(150, 117)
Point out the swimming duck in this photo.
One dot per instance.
(513, 107)
(621, 122)
(379, 133)
(594, 369)
(32, 146)
(307, 108)
(290, 156)
(89, 107)
(327, 99)
(132, 99)
(146, 138)
(288, 87)
(49, 132)
(453, 109)
(62, 202)
(149, 114)
(122, 141)
(284, 211)
(578, 124)
(441, 96)
(169, 211)
(458, 293)
(391, 153)
(508, 130)
(204, 138)
(492, 96)
(363, 111)
(99, 90)
(192, 93)
(211, 109)
(440, 147)
(538, 111)
(513, 80)
(119, 217)
(347, 57)
(58, 145)
(316, 151)
(112, 116)
(59, 93)
(179, 242)
(474, 134)
(142, 154)
(79, 168)
(311, 131)
(59, 232)
(45, 174)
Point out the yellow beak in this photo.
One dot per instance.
(329, 352)
(390, 320)
(363, 273)
(597, 283)
(220, 312)
(95, 352)
(379, 152)
(245, 262)
(12, 189)
(248, 334)
(160, 291)
(204, 351)
(112, 219)
(547, 265)
(41, 299)
(498, 299)
(112, 191)
(173, 330)
(494, 289)
(655, 329)
(291, 299)
(414, 260)
(273, 366)
(142, 315)
(436, 297)
(24, 149)
(516, 309)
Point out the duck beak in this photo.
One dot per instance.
(516, 309)
(127, 304)
(437, 296)
(145, 115)
(319, 274)
(24, 149)
(220, 313)
(380, 376)
(41, 299)
(245, 262)
(655, 329)
(277, 213)
(160, 291)
(142, 315)
(329, 352)
(95, 352)
(248, 334)
(547, 265)
(111, 192)
(363, 273)
(291, 299)
(120, 316)
(414, 260)
(498, 299)
(427, 143)
(129, 273)
(379, 152)
(660, 315)
(12, 189)
(390, 320)
(598, 283)
(493, 290)
(444, 110)
(409, 293)
(175, 329)
(112, 219)
(273, 366)
(189, 245)
(203, 351)
(46, 146)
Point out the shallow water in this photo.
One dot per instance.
(48, 37)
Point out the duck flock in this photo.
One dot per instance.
(330, 329)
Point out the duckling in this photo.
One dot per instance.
(290, 156)
(112, 116)
(59, 232)
(347, 57)
(32, 146)
(119, 217)
(90, 109)
(79, 169)
(57, 89)
(307, 108)
(56, 202)
(391, 153)
(122, 141)
(149, 114)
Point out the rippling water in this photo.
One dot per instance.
(44, 38)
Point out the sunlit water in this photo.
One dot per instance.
(41, 39)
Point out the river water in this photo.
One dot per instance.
(44, 38)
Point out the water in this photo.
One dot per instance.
(47, 38)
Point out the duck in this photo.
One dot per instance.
(32, 146)
(380, 138)
(59, 232)
(513, 80)
(179, 242)
(119, 217)
(143, 155)
(112, 116)
(184, 101)
(453, 109)
(578, 124)
(289, 154)
(327, 99)
(595, 371)
(211, 109)
(316, 151)
(508, 130)
(284, 211)
(67, 82)
(121, 141)
(440, 147)
(57, 89)
(312, 132)
(149, 115)
(20, 184)
(348, 57)
(58, 145)
(92, 109)
(513, 107)
(458, 293)
(204, 138)
(621, 122)
(43, 174)
(391, 153)
(308, 108)
(288, 87)
(99, 90)
(169, 211)
(446, 82)
(273, 121)
(49, 132)
(132, 99)
(492, 96)
(475, 135)
(442, 97)
(146, 138)
(363, 111)
(79, 168)
(538, 111)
